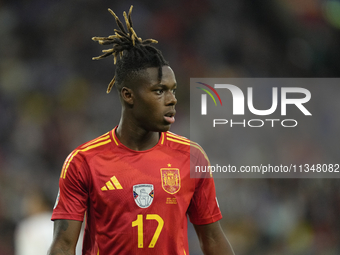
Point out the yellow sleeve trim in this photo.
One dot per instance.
(67, 164)
(190, 144)
(178, 137)
(101, 138)
(178, 141)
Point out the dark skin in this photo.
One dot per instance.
(147, 109)
(144, 106)
(65, 237)
(213, 240)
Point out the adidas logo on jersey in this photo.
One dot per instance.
(112, 184)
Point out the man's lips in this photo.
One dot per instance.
(170, 117)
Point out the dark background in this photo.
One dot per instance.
(52, 98)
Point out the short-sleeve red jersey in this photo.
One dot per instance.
(136, 202)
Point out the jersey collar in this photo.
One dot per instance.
(116, 141)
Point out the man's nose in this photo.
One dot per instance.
(171, 98)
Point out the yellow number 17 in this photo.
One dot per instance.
(139, 224)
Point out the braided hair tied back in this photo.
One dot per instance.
(130, 52)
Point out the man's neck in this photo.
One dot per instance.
(136, 138)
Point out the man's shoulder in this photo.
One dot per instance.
(177, 141)
(94, 146)
(182, 143)
(96, 142)
(83, 153)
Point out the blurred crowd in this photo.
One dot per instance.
(52, 99)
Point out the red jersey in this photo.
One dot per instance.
(136, 202)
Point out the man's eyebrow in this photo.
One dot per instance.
(165, 86)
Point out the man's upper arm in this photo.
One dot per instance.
(65, 237)
(212, 239)
(203, 208)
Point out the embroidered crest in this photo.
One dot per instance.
(171, 180)
(143, 195)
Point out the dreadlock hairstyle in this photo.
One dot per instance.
(134, 53)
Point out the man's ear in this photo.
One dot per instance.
(127, 95)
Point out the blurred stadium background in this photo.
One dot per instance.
(52, 98)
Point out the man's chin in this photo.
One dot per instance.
(164, 128)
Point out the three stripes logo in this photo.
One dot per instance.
(112, 184)
(204, 97)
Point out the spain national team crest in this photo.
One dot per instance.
(171, 180)
(143, 194)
